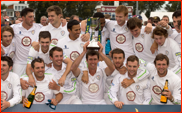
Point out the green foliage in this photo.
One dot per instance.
(173, 6)
(3, 6)
(21, 2)
(83, 9)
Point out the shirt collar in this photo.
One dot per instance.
(62, 68)
(69, 40)
(52, 27)
(44, 80)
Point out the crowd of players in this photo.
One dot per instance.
(55, 58)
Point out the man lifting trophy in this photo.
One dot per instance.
(93, 23)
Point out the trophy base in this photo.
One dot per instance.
(92, 48)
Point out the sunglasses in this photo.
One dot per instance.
(155, 21)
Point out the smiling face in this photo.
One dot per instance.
(161, 67)
(54, 18)
(132, 68)
(5, 68)
(136, 31)
(75, 31)
(39, 70)
(6, 38)
(45, 42)
(57, 58)
(118, 60)
(92, 62)
(160, 40)
(121, 18)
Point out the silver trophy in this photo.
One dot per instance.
(93, 43)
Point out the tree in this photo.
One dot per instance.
(83, 9)
(3, 6)
(173, 6)
(21, 2)
(108, 2)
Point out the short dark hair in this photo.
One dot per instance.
(7, 28)
(44, 34)
(40, 60)
(132, 58)
(72, 23)
(8, 60)
(55, 8)
(92, 53)
(176, 13)
(161, 57)
(134, 22)
(55, 49)
(25, 11)
(117, 51)
(159, 31)
(98, 14)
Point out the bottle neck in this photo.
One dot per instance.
(166, 85)
(33, 91)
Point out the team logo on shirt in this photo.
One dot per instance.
(142, 35)
(139, 47)
(166, 52)
(81, 45)
(9, 85)
(54, 41)
(120, 39)
(33, 32)
(74, 55)
(137, 87)
(131, 96)
(26, 41)
(157, 90)
(4, 95)
(39, 97)
(93, 88)
(98, 77)
(62, 33)
(126, 29)
(11, 55)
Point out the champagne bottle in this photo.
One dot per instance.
(31, 98)
(163, 98)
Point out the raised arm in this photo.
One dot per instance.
(74, 67)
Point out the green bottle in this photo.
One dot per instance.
(31, 98)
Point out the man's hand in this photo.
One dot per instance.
(53, 85)
(127, 82)
(101, 47)
(25, 101)
(154, 47)
(24, 84)
(118, 104)
(35, 45)
(122, 70)
(2, 51)
(54, 101)
(61, 81)
(85, 37)
(49, 65)
(85, 78)
(4, 104)
(63, 21)
(167, 94)
(163, 24)
(148, 28)
(31, 81)
(85, 46)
